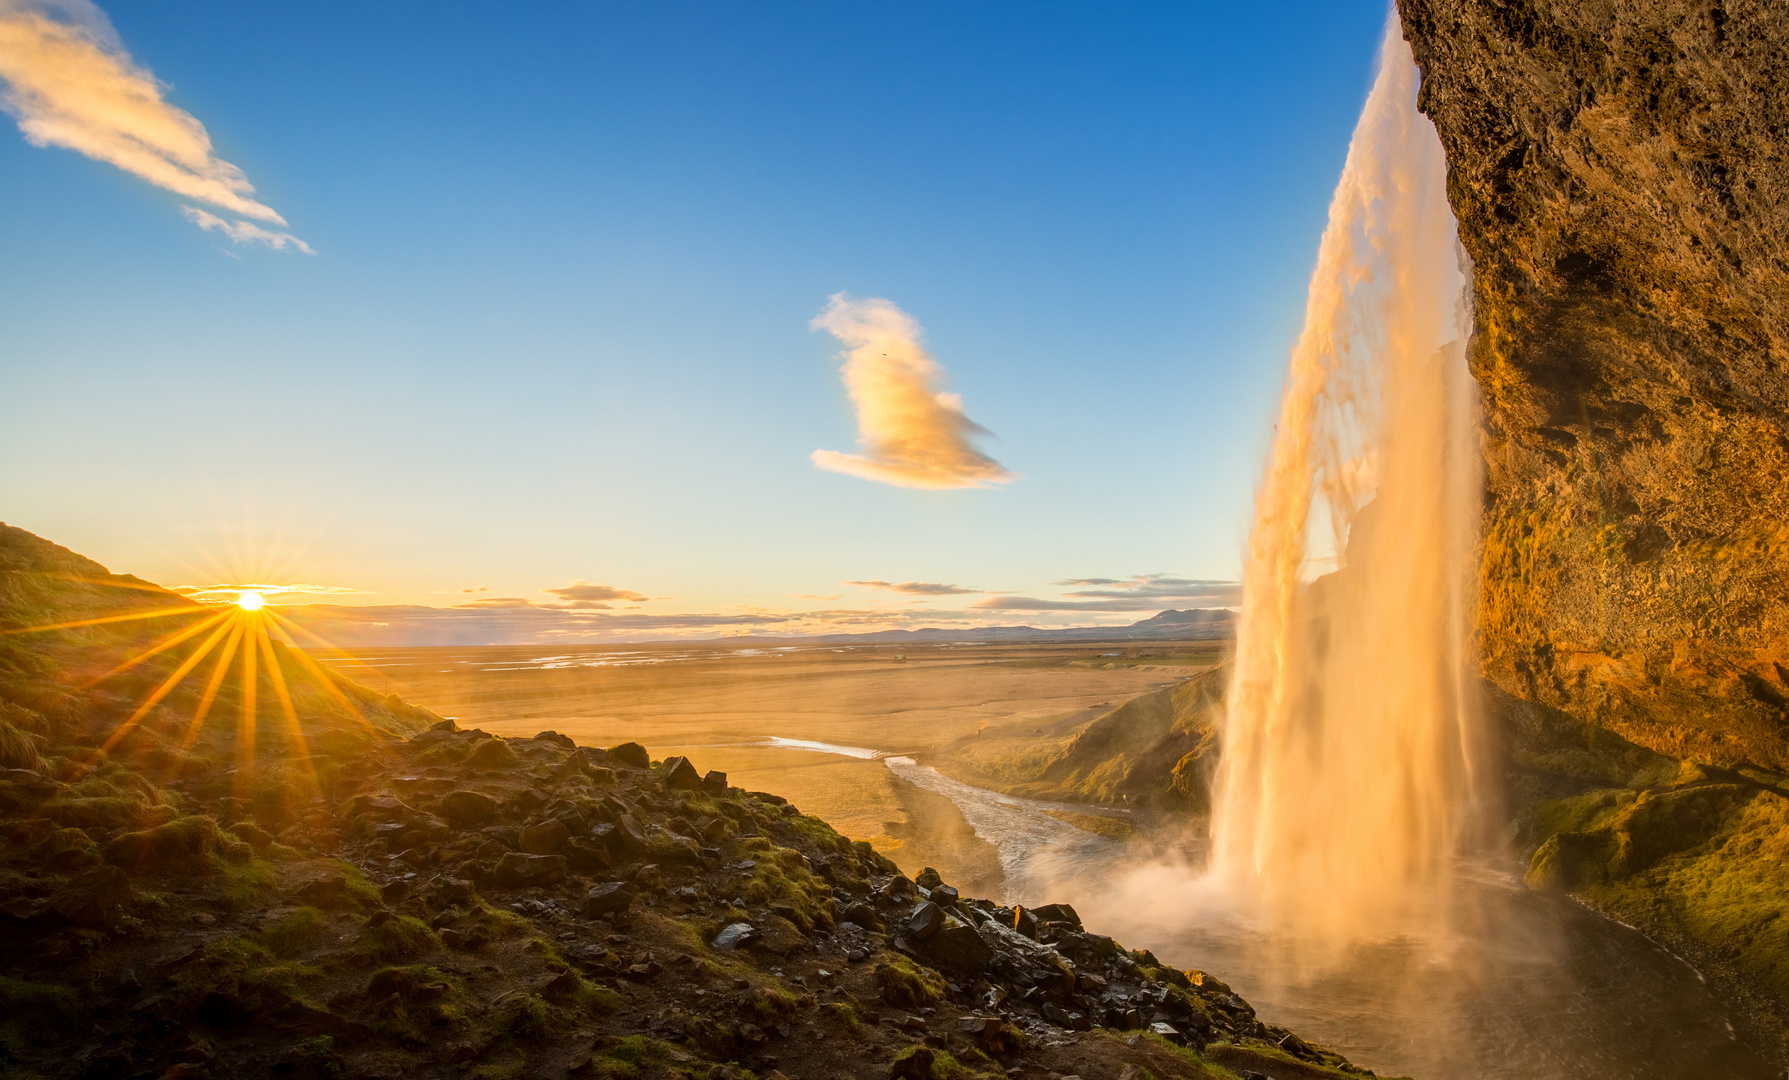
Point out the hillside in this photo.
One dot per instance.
(316, 881)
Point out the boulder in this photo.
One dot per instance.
(624, 838)
(734, 935)
(928, 878)
(923, 921)
(1059, 913)
(609, 898)
(546, 838)
(630, 754)
(468, 808)
(492, 753)
(863, 915)
(1087, 949)
(914, 1063)
(714, 782)
(1025, 922)
(556, 739)
(680, 775)
(518, 870)
(667, 846)
(957, 948)
(778, 935)
(95, 898)
(586, 856)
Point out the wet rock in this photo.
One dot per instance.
(680, 775)
(1087, 949)
(95, 898)
(714, 782)
(609, 898)
(520, 870)
(734, 935)
(928, 878)
(1063, 913)
(545, 838)
(468, 808)
(1025, 922)
(923, 921)
(1168, 1032)
(630, 754)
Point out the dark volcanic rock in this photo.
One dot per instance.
(468, 808)
(517, 869)
(680, 775)
(609, 898)
(631, 754)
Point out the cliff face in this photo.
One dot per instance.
(1618, 173)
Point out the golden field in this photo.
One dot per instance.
(718, 702)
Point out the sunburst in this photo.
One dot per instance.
(236, 627)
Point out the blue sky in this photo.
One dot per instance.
(556, 328)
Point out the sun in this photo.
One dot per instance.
(250, 601)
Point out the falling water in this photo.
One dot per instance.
(1347, 774)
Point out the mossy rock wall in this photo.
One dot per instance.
(1618, 174)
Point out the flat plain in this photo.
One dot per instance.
(720, 703)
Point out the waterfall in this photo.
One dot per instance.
(1348, 768)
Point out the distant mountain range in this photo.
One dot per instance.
(1194, 624)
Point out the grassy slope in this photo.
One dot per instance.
(174, 907)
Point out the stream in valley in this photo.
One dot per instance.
(1524, 985)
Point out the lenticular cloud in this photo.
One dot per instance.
(913, 434)
(69, 82)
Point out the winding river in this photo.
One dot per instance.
(1523, 986)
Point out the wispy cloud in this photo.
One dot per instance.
(915, 588)
(244, 232)
(69, 82)
(913, 434)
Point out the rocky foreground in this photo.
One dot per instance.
(526, 907)
(351, 886)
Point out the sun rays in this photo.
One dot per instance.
(231, 637)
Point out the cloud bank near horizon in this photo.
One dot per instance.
(915, 588)
(913, 434)
(1143, 592)
(69, 82)
(395, 625)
